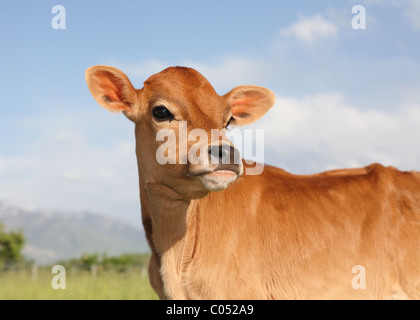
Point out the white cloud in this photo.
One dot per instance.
(323, 131)
(72, 176)
(310, 29)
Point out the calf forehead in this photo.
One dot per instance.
(187, 88)
(179, 76)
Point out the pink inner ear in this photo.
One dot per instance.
(108, 87)
(241, 106)
(111, 93)
(245, 101)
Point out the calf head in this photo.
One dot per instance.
(180, 117)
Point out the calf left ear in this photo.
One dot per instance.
(112, 89)
(249, 103)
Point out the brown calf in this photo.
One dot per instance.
(216, 233)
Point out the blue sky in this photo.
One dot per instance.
(345, 97)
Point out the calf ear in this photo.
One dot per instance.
(249, 103)
(112, 89)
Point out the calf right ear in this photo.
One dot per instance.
(249, 103)
(112, 89)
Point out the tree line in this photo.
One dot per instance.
(11, 245)
(122, 263)
(11, 257)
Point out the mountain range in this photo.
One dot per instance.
(52, 236)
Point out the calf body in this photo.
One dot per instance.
(292, 237)
(219, 234)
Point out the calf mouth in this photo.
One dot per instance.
(233, 169)
(227, 168)
(218, 177)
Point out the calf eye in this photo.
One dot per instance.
(161, 113)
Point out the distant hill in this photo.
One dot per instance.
(52, 236)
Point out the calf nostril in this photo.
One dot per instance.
(223, 152)
(219, 152)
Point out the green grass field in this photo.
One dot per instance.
(80, 285)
